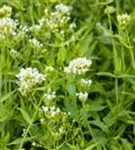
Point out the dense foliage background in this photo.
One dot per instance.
(67, 75)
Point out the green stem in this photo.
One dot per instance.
(29, 126)
(131, 50)
(114, 54)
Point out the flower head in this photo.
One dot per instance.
(123, 19)
(56, 20)
(35, 42)
(28, 79)
(78, 66)
(7, 27)
(50, 95)
(63, 8)
(82, 96)
(52, 111)
(86, 82)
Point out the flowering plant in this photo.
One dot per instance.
(67, 75)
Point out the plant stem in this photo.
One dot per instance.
(29, 126)
(131, 50)
(114, 54)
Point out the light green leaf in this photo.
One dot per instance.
(25, 115)
(106, 74)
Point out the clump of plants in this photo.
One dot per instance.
(67, 78)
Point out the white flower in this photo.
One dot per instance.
(13, 53)
(7, 27)
(72, 25)
(61, 129)
(33, 143)
(110, 10)
(52, 111)
(28, 79)
(123, 19)
(41, 21)
(82, 96)
(54, 21)
(25, 29)
(50, 95)
(86, 82)
(78, 66)
(63, 8)
(24, 132)
(35, 42)
(45, 109)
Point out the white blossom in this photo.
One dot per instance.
(123, 19)
(7, 27)
(52, 111)
(82, 96)
(13, 53)
(24, 132)
(86, 82)
(63, 8)
(28, 79)
(35, 42)
(50, 95)
(72, 25)
(78, 66)
(54, 21)
(25, 29)
(33, 143)
(61, 129)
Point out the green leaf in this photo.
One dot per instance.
(19, 140)
(71, 89)
(16, 141)
(126, 76)
(96, 107)
(100, 124)
(5, 97)
(62, 54)
(25, 115)
(127, 145)
(108, 74)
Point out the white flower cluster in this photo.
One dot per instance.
(61, 8)
(123, 19)
(78, 66)
(59, 132)
(24, 29)
(7, 27)
(110, 10)
(86, 82)
(13, 52)
(35, 42)
(82, 96)
(28, 79)
(55, 21)
(52, 111)
(24, 132)
(50, 95)
(5, 11)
